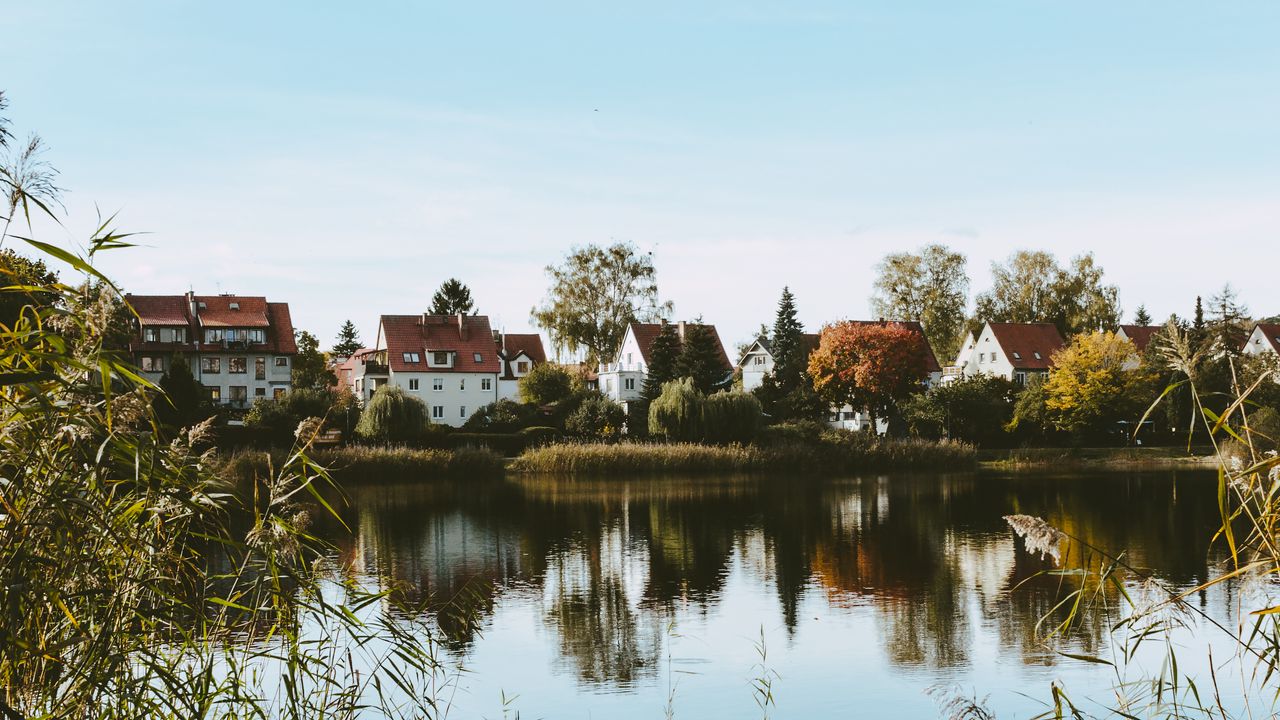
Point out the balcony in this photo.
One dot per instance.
(375, 368)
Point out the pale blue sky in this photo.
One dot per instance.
(347, 158)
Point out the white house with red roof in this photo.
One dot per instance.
(1014, 351)
(623, 379)
(519, 353)
(240, 348)
(1265, 339)
(449, 362)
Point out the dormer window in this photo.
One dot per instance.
(1037, 355)
(412, 357)
(440, 357)
(151, 335)
(1017, 355)
(235, 306)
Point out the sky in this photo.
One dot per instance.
(349, 157)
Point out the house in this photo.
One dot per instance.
(757, 360)
(1014, 351)
(1264, 339)
(240, 348)
(449, 362)
(1139, 335)
(955, 370)
(623, 379)
(519, 353)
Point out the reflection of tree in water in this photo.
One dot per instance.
(931, 557)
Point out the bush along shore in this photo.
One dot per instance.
(786, 449)
(355, 464)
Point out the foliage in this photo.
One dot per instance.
(276, 419)
(453, 298)
(1141, 317)
(682, 412)
(27, 181)
(594, 295)
(596, 418)
(868, 366)
(801, 403)
(1032, 287)
(664, 354)
(677, 413)
(546, 383)
(501, 416)
(1096, 382)
(786, 345)
(182, 401)
(972, 409)
(731, 417)
(352, 465)
(931, 287)
(392, 415)
(310, 370)
(1229, 324)
(701, 358)
(20, 271)
(1031, 417)
(348, 341)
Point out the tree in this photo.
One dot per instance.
(18, 270)
(348, 340)
(1141, 316)
(182, 402)
(596, 418)
(1097, 381)
(310, 370)
(594, 295)
(664, 354)
(701, 358)
(503, 416)
(676, 414)
(1229, 322)
(453, 298)
(973, 409)
(867, 366)
(1032, 287)
(391, 415)
(546, 384)
(787, 345)
(931, 287)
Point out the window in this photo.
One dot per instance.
(462, 384)
(213, 336)
(629, 383)
(441, 357)
(260, 392)
(1037, 355)
(277, 393)
(413, 384)
(412, 357)
(239, 393)
(522, 366)
(237, 365)
(437, 412)
(179, 335)
(215, 394)
(628, 358)
(282, 362)
(1020, 378)
(260, 368)
(151, 335)
(758, 360)
(478, 357)
(486, 384)
(462, 412)
(210, 365)
(152, 363)
(993, 357)
(1017, 355)
(982, 356)
(257, 337)
(437, 384)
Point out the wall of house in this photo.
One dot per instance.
(1258, 343)
(275, 378)
(756, 364)
(460, 394)
(988, 358)
(622, 386)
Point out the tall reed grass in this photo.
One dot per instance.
(358, 464)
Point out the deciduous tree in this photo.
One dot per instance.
(1097, 381)
(1032, 287)
(545, 384)
(594, 294)
(392, 416)
(868, 366)
(310, 370)
(930, 286)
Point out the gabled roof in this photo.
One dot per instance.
(646, 333)
(1271, 331)
(517, 344)
(1028, 346)
(1140, 335)
(232, 311)
(467, 336)
(168, 310)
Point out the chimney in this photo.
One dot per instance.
(462, 326)
(191, 304)
(680, 330)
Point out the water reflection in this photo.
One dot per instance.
(608, 564)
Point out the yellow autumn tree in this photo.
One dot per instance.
(1097, 381)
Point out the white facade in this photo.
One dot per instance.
(1265, 339)
(622, 381)
(236, 379)
(518, 366)
(450, 398)
(756, 363)
(986, 357)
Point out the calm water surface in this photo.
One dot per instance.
(603, 599)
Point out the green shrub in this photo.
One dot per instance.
(597, 418)
(731, 417)
(509, 444)
(681, 412)
(677, 413)
(545, 384)
(393, 416)
(503, 416)
(539, 435)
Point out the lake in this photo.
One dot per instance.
(565, 598)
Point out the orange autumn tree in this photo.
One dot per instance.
(870, 366)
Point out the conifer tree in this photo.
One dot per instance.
(348, 340)
(789, 360)
(1229, 328)
(700, 358)
(664, 354)
(1141, 316)
(453, 298)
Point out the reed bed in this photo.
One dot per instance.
(367, 464)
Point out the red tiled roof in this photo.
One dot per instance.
(646, 333)
(1271, 331)
(169, 310)
(430, 333)
(1022, 342)
(280, 333)
(527, 344)
(1140, 335)
(216, 311)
